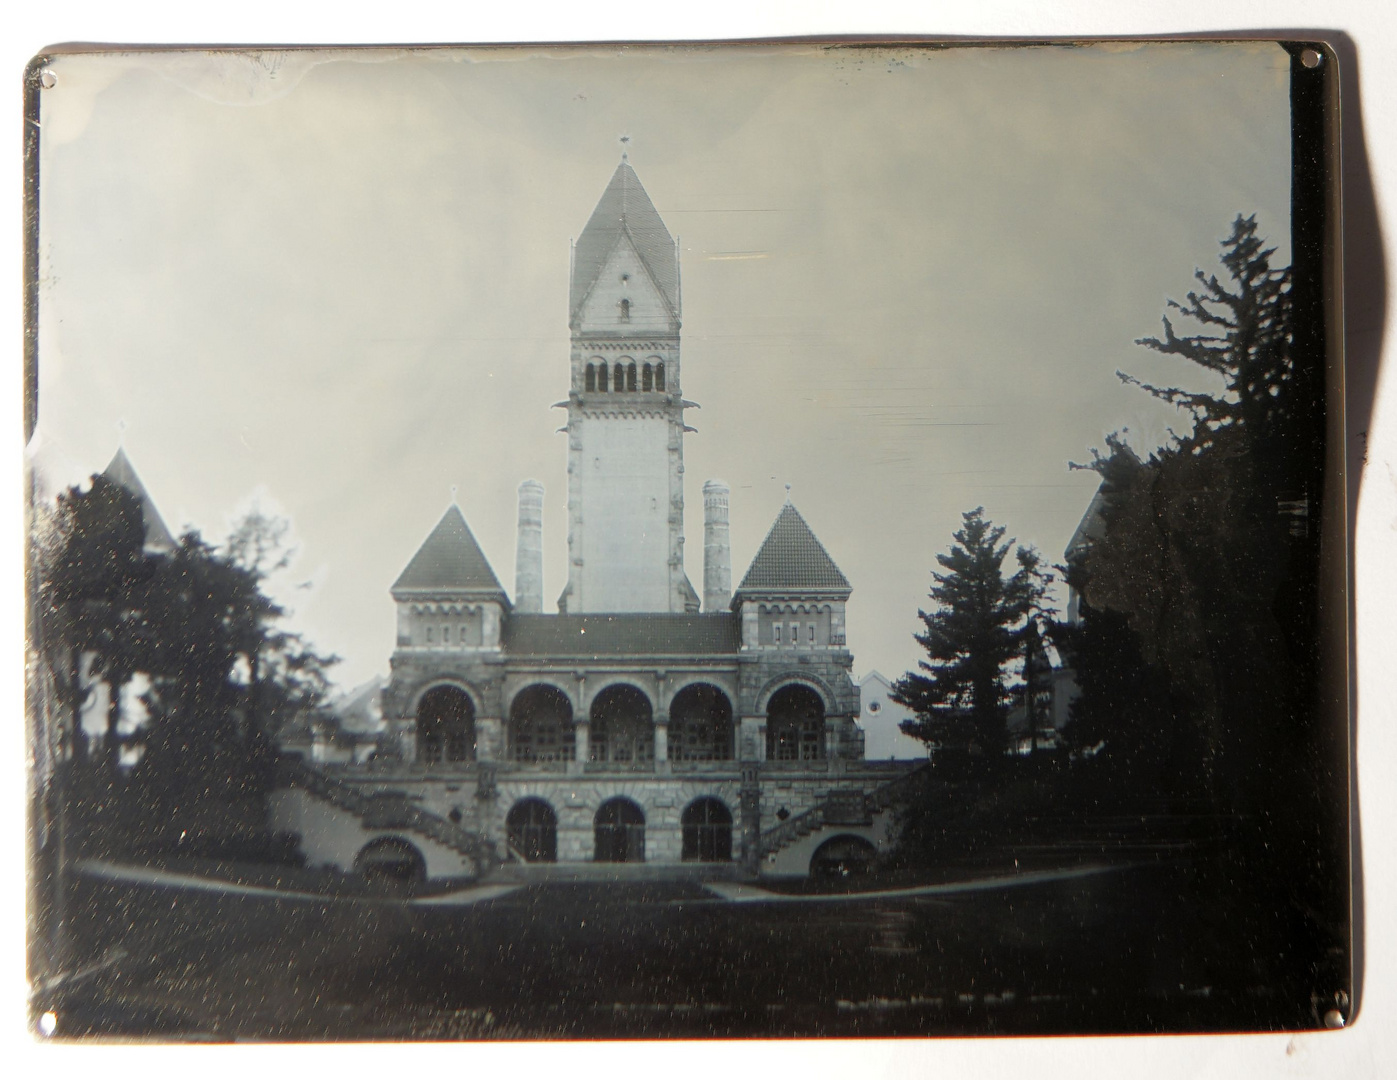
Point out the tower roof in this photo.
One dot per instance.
(450, 561)
(791, 559)
(624, 210)
(158, 539)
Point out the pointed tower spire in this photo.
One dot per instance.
(158, 539)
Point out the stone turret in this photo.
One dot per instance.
(717, 554)
(528, 557)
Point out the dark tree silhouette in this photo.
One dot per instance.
(960, 692)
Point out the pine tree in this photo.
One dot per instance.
(961, 692)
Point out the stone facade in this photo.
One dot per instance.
(630, 726)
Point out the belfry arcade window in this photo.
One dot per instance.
(647, 378)
(795, 725)
(532, 831)
(630, 377)
(540, 726)
(700, 724)
(618, 382)
(660, 376)
(591, 383)
(707, 831)
(445, 726)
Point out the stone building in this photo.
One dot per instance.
(639, 723)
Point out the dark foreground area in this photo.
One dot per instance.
(1120, 950)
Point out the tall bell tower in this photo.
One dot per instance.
(625, 412)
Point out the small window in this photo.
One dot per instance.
(462, 639)
(620, 380)
(602, 369)
(625, 311)
(647, 381)
(429, 635)
(874, 706)
(811, 634)
(660, 376)
(776, 633)
(591, 377)
(795, 633)
(630, 378)
(446, 635)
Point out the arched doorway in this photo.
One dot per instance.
(532, 828)
(623, 731)
(843, 857)
(540, 725)
(700, 724)
(619, 829)
(445, 726)
(795, 725)
(391, 860)
(707, 831)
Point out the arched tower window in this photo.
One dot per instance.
(591, 377)
(660, 376)
(625, 310)
(620, 378)
(647, 381)
(630, 377)
(602, 369)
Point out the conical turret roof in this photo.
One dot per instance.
(158, 540)
(625, 210)
(791, 559)
(450, 561)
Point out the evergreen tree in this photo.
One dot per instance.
(960, 692)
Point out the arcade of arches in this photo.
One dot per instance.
(540, 725)
(623, 730)
(700, 724)
(445, 726)
(795, 725)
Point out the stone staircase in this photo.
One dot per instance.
(388, 811)
(846, 807)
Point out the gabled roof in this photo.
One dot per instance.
(792, 560)
(450, 561)
(624, 210)
(121, 471)
(659, 634)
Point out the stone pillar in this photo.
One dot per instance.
(581, 745)
(528, 555)
(489, 739)
(717, 554)
(750, 811)
(662, 742)
(751, 739)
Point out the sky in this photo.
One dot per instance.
(336, 284)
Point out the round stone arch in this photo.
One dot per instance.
(566, 687)
(438, 681)
(702, 722)
(673, 687)
(600, 684)
(795, 678)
